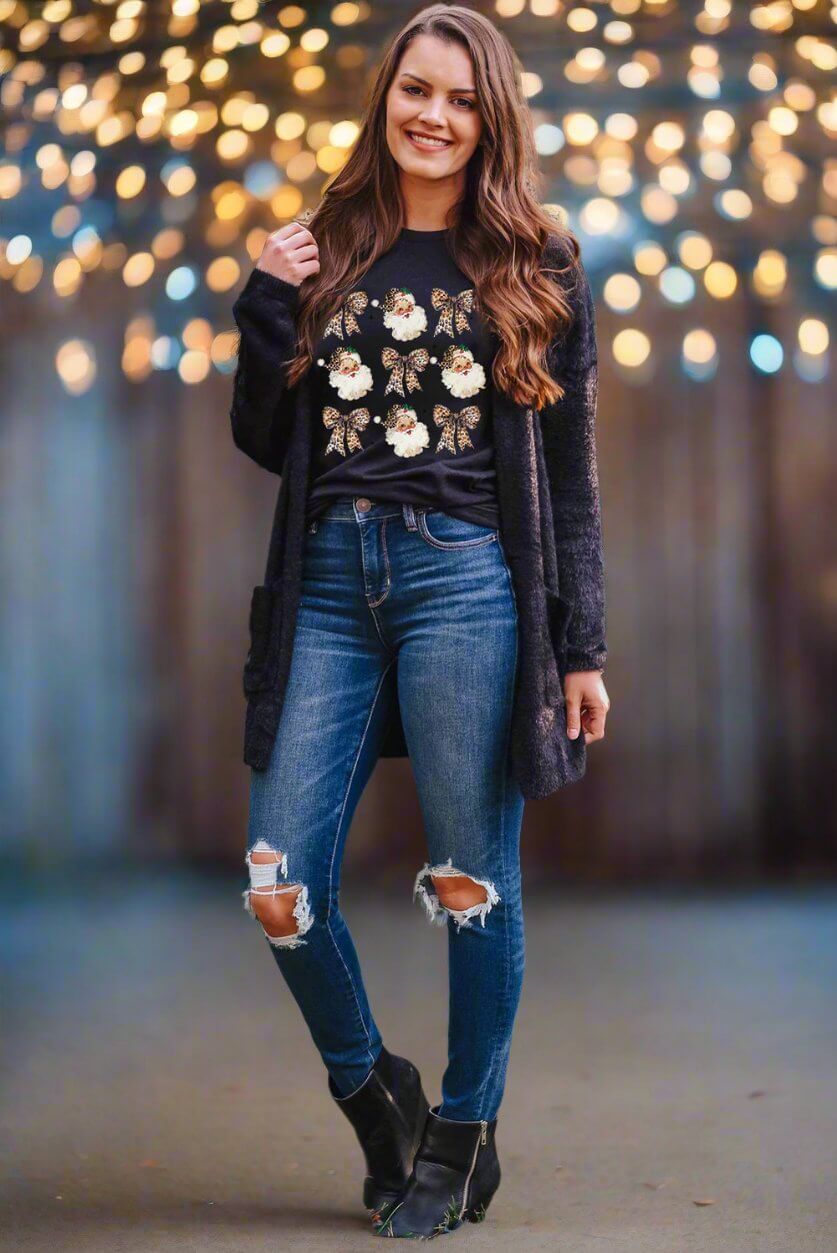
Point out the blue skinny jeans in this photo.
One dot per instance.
(389, 583)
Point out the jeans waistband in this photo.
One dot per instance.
(347, 507)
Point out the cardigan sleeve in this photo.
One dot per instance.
(260, 416)
(569, 440)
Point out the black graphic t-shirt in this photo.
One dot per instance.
(402, 389)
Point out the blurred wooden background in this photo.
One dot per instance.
(133, 531)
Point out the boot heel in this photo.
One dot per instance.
(477, 1212)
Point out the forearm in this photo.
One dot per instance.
(265, 314)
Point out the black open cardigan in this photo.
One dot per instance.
(550, 527)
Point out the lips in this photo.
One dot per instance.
(436, 145)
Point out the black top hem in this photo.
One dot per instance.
(482, 515)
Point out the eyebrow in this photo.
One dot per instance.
(457, 90)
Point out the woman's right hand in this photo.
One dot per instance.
(291, 253)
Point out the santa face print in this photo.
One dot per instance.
(404, 432)
(461, 374)
(403, 316)
(347, 374)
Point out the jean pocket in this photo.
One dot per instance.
(265, 605)
(443, 530)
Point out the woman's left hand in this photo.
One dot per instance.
(587, 704)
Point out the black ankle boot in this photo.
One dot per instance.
(388, 1113)
(455, 1174)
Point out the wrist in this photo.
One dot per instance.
(588, 662)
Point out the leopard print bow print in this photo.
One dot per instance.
(410, 365)
(455, 310)
(344, 429)
(455, 426)
(354, 303)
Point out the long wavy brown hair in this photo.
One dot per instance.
(496, 233)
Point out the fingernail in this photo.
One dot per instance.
(573, 732)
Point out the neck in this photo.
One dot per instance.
(427, 202)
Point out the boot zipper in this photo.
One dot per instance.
(482, 1139)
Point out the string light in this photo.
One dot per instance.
(720, 279)
(813, 336)
(677, 285)
(734, 203)
(700, 354)
(825, 268)
(622, 293)
(75, 363)
(649, 258)
(767, 354)
(631, 348)
(695, 250)
(599, 216)
(770, 274)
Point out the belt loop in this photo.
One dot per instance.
(409, 517)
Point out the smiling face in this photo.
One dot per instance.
(432, 94)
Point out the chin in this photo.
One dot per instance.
(427, 169)
(412, 161)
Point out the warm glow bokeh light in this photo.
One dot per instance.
(156, 146)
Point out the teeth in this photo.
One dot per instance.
(431, 143)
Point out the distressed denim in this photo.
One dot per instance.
(433, 593)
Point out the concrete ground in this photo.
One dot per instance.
(673, 1078)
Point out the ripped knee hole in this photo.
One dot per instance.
(458, 891)
(447, 892)
(282, 909)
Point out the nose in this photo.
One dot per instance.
(432, 113)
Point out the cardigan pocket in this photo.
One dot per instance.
(265, 606)
(559, 610)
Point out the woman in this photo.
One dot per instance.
(420, 368)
